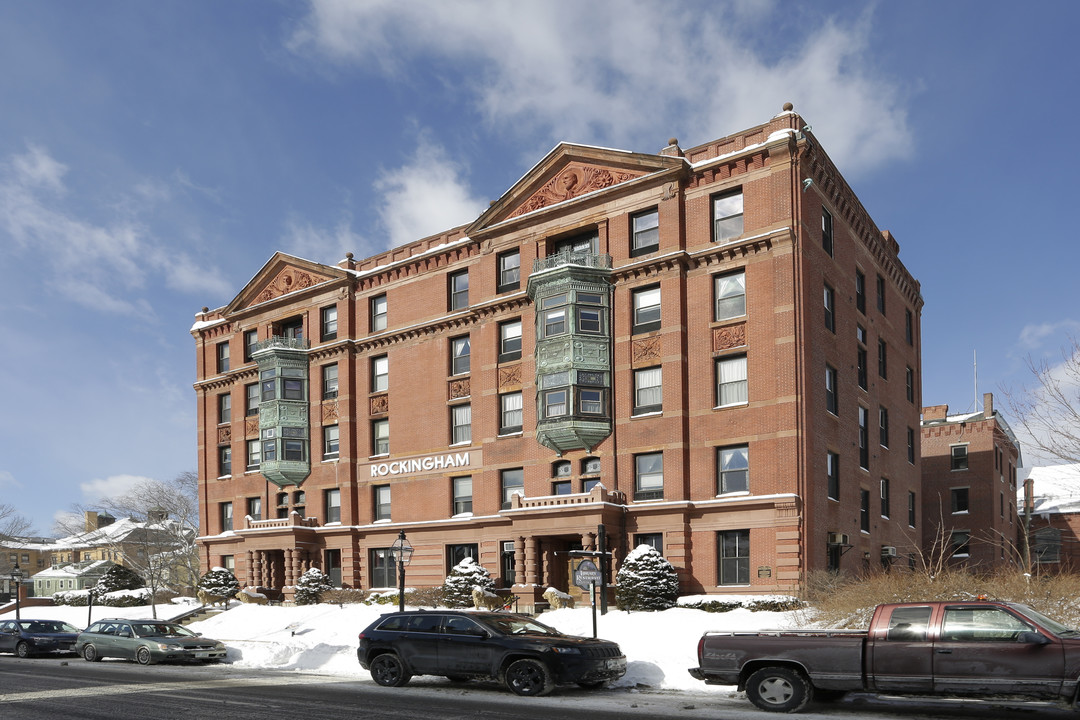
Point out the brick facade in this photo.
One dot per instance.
(579, 207)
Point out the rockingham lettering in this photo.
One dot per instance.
(424, 464)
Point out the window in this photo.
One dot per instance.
(860, 291)
(555, 316)
(292, 388)
(383, 568)
(731, 384)
(329, 381)
(909, 327)
(224, 408)
(830, 309)
(332, 500)
(882, 360)
(646, 302)
(293, 450)
(513, 483)
(254, 454)
(911, 445)
(883, 426)
(226, 516)
(510, 413)
(254, 508)
(884, 497)
(960, 541)
(646, 233)
(380, 374)
(378, 313)
(831, 402)
(653, 540)
(330, 442)
(380, 437)
(864, 438)
(733, 465)
(881, 294)
(461, 424)
(648, 390)
(590, 320)
(864, 510)
(251, 339)
(509, 271)
(735, 557)
(459, 290)
(909, 381)
(268, 385)
(510, 341)
(555, 403)
(729, 292)
(224, 461)
(727, 216)
(223, 357)
(826, 231)
(585, 242)
(958, 457)
(251, 399)
(591, 402)
(506, 563)
(381, 501)
(832, 471)
(958, 498)
(291, 328)
(462, 495)
(649, 476)
(860, 367)
(459, 355)
(911, 508)
(456, 553)
(269, 450)
(328, 322)
(562, 487)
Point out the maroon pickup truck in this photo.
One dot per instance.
(932, 648)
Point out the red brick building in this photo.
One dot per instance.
(713, 350)
(1050, 497)
(969, 482)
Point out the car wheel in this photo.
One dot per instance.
(90, 654)
(143, 655)
(388, 671)
(529, 677)
(22, 649)
(779, 689)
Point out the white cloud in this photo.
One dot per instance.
(629, 74)
(425, 196)
(1032, 337)
(327, 246)
(7, 480)
(112, 486)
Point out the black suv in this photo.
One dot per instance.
(526, 655)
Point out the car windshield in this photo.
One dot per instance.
(161, 630)
(518, 625)
(1052, 625)
(46, 626)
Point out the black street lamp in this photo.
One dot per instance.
(401, 551)
(16, 577)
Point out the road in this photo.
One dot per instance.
(50, 688)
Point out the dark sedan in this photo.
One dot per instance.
(529, 657)
(37, 637)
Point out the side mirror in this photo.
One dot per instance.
(1030, 637)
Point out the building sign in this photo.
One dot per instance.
(427, 464)
(586, 574)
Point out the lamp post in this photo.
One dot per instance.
(401, 552)
(16, 577)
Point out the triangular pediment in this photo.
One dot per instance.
(281, 275)
(570, 172)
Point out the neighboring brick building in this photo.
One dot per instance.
(711, 350)
(1050, 497)
(969, 483)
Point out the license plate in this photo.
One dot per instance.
(202, 655)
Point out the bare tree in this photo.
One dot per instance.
(14, 528)
(1049, 412)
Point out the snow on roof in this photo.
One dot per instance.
(74, 569)
(1056, 488)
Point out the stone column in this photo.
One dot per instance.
(290, 566)
(519, 561)
(530, 561)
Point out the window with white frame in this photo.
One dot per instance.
(510, 414)
(462, 495)
(223, 357)
(830, 309)
(509, 271)
(832, 472)
(461, 423)
(731, 381)
(646, 303)
(733, 469)
(645, 237)
(254, 454)
(330, 442)
(734, 552)
(459, 290)
(510, 340)
(729, 292)
(224, 461)
(328, 322)
(958, 457)
(251, 399)
(648, 390)
(381, 501)
(380, 373)
(380, 437)
(224, 408)
(727, 210)
(460, 353)
(649, 476)
(330, 381)
(332, 499)
(513, 483)
(378, 313)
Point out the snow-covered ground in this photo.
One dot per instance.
(659, 646)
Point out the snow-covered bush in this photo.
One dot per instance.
(217, 585)
(116, 578)
(463, 577)
(312, 585)
(646, 581)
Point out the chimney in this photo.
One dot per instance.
(672, 148)
(988, 405)
(935, 412)
(90, 522)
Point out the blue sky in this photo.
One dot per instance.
(154, 155)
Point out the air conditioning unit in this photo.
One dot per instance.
(888, 551)
(836, 538)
